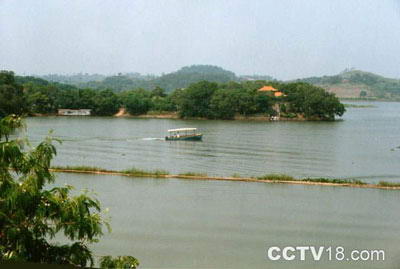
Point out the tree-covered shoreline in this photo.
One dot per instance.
(203, 99)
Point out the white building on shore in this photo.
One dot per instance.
(74, 112)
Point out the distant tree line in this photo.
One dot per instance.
(201, 99)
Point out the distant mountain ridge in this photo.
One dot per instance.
(347, 84)
(178, 79)
(358, 84)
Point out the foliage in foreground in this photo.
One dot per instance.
(31, 214)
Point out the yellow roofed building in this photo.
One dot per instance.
(269, 88)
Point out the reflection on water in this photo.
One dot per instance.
(363, 145)
(215, 224)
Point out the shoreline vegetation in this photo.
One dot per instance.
(268, 178)
(174, 115)
(358, 106)
(203, 99)
(122, 113)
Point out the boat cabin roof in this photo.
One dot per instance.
(182, 130)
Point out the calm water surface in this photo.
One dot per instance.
(363, 145)
(214, 224)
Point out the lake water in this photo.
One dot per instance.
(363, 145)
(171, 223)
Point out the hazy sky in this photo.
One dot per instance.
(283, 38)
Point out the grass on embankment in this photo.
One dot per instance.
(81, 168)
(192, 174)
(335, 181)
(143, 173)
(281, 177)
(358, 106)
(388, 184)
(129, 172)
(134, 172)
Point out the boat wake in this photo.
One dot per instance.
(152, 138)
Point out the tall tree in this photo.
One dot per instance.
(106, 103)
(31, 213)
(136, 102)
(224, 104)
(12, 100)
(195, 100)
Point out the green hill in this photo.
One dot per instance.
(171, 81)
(179, 79)
(192, 74)
(358, 84)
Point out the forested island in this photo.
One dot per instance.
(211, 93)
